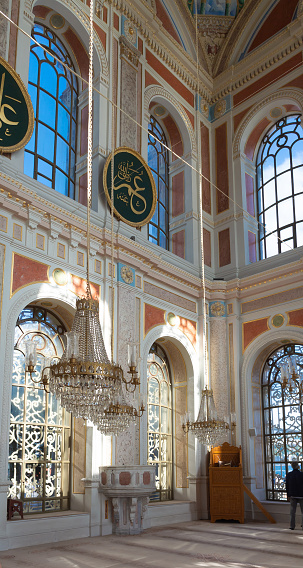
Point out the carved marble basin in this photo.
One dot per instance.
(135, 480)
(129, 488)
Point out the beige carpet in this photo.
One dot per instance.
(187, 545)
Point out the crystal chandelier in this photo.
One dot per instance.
(84, 380)
(209, 430)
(290, 377)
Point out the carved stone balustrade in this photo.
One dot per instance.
(129, 488)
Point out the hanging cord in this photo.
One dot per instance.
(89, 140)
(112, 224)
(212, 184)
(205, 366)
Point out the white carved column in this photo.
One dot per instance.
(219, 376)
(4, 28)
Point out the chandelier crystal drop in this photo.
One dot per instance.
(84, 379)
(209, 430)
(290, 376)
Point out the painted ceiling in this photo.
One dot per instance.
(216, 7)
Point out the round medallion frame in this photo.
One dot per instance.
(27, 100)
(121, 155)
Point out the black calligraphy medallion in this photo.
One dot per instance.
(16, 110)
(134, 188)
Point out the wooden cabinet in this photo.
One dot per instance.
(226, 483)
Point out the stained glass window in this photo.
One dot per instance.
(160, 422)
(280, 187)
(39, 459)
(50, 155)
(158, 163)
(282, 421)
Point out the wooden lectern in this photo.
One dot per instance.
(226, 483)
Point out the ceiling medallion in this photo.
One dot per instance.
(217, 309)
(60, 276)
(127, 274)
(278, 320)
(220, 108)
(160, 111)
(57, 21)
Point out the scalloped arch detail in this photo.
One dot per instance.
(294, 95)
(155, 91)
(83, 19)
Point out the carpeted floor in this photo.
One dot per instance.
(197, 544)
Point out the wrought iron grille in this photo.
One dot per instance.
(282, 422)
(159, 430)
(50, 155)
(39, 452)
(280, 187)
(158, 163)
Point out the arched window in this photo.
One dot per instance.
(280, 187)
(158, 163)
(50, 155)
(39, 459)
(160, 422)
(282, 420)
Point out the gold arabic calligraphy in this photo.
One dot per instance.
(4, 107)
(126, 175)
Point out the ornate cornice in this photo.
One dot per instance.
(282, 45)
(20, 200)
(162, 50)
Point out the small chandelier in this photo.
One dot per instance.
(290, 377)
(209, 430)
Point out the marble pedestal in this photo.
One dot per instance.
(129, 488)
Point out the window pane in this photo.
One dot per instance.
(282, 160)
(271, 244)
(286, 212)
(282, 145)
(283, 422)
(55, 92)
(298, 179)
(269, 194)
(284, 187)
(270, 219)
(268, 169)
(46, 142)
(297, 153)
(38, 443)
(157, 160)
(47, 109)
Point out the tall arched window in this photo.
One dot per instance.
(282, 421)
(280, 187)
(160, 422)
(39, 454)
(158, 163)
(50, 155)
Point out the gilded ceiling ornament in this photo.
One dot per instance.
(204, 108)
(220, 108)
(130, 32)
(217, 309)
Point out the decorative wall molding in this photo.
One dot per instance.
(156, 91)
